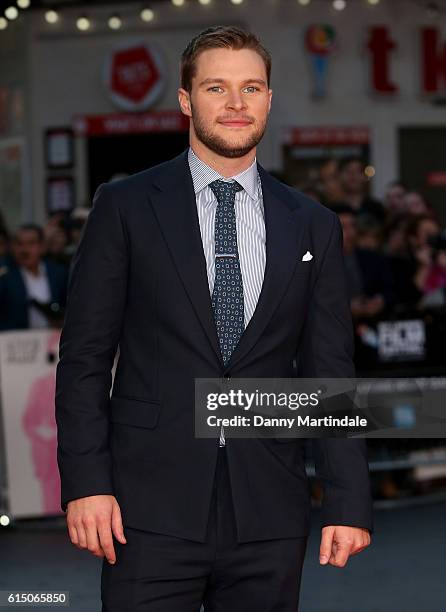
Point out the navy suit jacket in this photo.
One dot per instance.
(14, 298)
(139, 281)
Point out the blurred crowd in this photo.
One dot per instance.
(395, 249)
(395, 257)
(34, 269)
(395, 252)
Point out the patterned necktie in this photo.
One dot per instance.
(227, 295)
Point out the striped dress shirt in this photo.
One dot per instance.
(250, 224)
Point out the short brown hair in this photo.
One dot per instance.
(227, 37)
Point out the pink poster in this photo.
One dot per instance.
(27, 369)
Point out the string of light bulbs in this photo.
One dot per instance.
(12, 12)
(147, 14)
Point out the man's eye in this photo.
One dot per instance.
(215, 88)
(252, 88)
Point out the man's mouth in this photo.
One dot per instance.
(235, 122)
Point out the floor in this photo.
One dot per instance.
(404, 570)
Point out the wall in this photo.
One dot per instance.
(66, 67)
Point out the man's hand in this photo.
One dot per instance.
(338, 542)
(91, 521)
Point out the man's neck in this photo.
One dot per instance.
(33, 270)
(226, 166)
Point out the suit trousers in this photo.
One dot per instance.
(162, 573)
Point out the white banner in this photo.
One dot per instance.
(28, 375)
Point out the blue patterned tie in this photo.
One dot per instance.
(227, 295)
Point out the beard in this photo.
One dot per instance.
(223, 147)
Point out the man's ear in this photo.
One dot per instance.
(270, 92)
(184, 102)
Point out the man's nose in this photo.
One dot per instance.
(236, 101)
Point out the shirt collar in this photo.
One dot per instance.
(40, 274)
(202, 175)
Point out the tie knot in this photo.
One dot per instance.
(225, 190)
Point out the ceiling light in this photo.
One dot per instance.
(23, 4)
(115, 22)
(236, 1)
(304, 2)
(147, 15)
(374, 2)
(83, 24)
(204, 1)
(339, 5)
(11, 13)
(4, 520)
(51, 17)
(3, 23)
(178, 2)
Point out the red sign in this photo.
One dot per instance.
(434, 61)
(323, 135)
(123, 123)
(134, 73)
(135, 76)
(437, 179)
(380, 46)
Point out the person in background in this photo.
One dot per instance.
(370, 233)
(354, 183)
(368, 276)
(56, 238)
(32, 288)
(395, 236)
(436, 274)
(410, 263)
(435, 282)
(330, 185)
(394, 198)
(415, 204)
(75, 225)
(422, 231)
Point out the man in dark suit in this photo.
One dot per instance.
(32, 287)
(199, 268)
(370, 281)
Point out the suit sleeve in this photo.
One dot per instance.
(93, 318)
(326, 351)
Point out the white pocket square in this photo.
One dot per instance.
(307, 256)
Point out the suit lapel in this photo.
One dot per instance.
(173, 200)
(284, 231)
